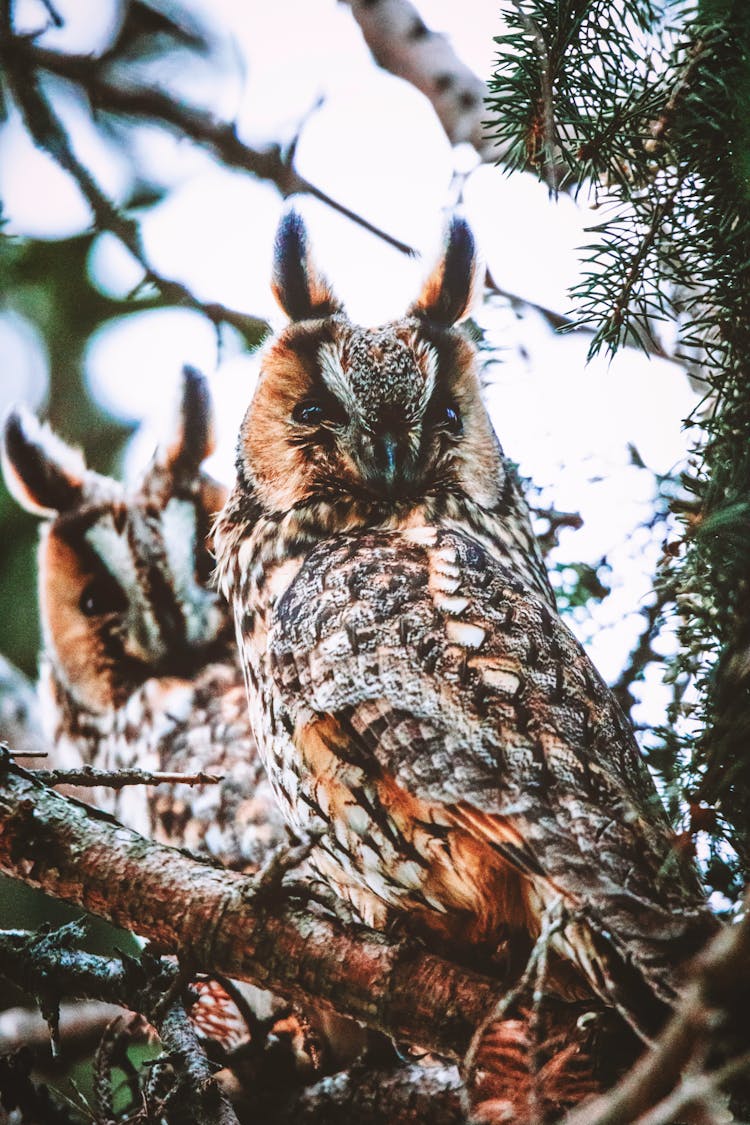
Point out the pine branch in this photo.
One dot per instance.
(545, 154)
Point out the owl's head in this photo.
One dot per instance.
(388, 415)
(124, 574)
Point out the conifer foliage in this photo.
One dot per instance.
(645, 106)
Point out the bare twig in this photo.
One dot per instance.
(695, 1090)
(34, 1103)
(112, 1051)
(158, 107)
(202, 1094)
(81, 1024)
(49, 133)
(535, 967)
(281, 861)
(642, 652)
(118, 779)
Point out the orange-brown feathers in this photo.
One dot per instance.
(383, 418)
(457, 885)
(65, 572)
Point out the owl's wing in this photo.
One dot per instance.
(459, 683)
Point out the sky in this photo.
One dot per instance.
(300, 68)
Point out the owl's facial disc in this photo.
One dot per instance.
(391, 415)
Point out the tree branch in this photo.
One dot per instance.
(45, 964)
(409, 1095)
(401, 43)
(49, 134)
(117, 779)
(158, 107)
(81, 1026)
(718, 992)
(214, 919)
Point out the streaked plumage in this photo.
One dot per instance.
(414, 693)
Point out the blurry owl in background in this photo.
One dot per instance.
(139, 665)
(140, 669)
(416, 698)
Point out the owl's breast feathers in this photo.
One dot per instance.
(469, 761)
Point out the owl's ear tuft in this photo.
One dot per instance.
(302, 292)
(447, 294)
(42, 472)
(193, 437)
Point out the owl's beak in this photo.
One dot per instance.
(389, 470)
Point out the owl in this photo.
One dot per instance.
(139, 665)
(416, 698)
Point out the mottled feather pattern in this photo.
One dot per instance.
(511, 723)
(415, 694)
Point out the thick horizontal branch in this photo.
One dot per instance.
(218, 922)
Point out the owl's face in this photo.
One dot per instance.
(123, 575)
(388, 415)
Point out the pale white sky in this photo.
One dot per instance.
(375, 144)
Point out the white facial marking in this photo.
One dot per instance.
(203, 618)
(329, 358)
(428, 360)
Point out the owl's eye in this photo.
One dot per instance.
(319, 412)
(452, 419)
(308, 413)
(100, 597)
